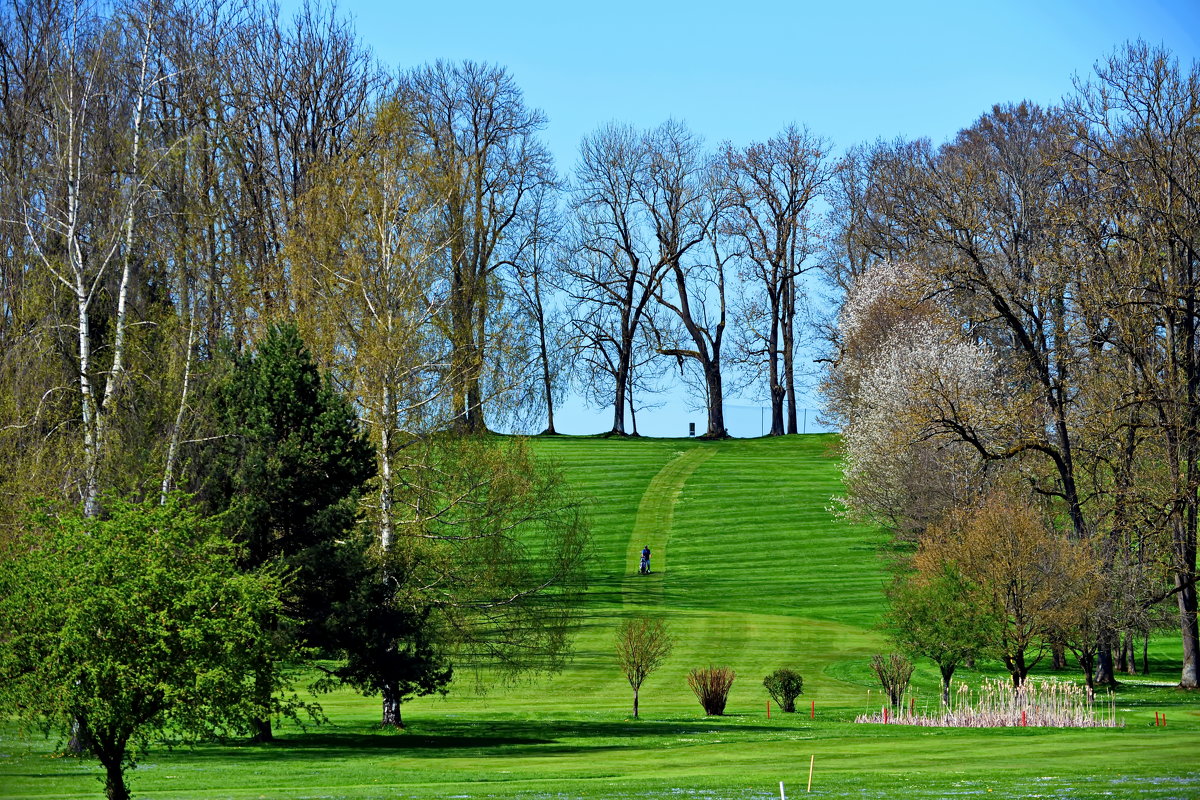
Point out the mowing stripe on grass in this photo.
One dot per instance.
(652, 527)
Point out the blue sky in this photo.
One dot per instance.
(742, 70)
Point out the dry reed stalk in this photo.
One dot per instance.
(998, 704)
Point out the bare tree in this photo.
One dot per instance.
(614, 271)
(535, 275)
(684, 197)
(1139, 155)
(81, 221)
(643, 644)
(772, 189)
(482, 137)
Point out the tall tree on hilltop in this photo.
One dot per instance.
(489, 164)
(772, 186)
(613, 272)
(684, 199)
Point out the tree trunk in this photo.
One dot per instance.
(1128, 661)
(947, 675)
(621, 380)
(544, 351)
(385, 469)
(716, 401)
(391, 707)
(789, 355)
(1190, 675)
(635, 703)
(778, 392)
(1058, 655)
(1104, 661)
(262, 726)
(173, 444)
(1017, 667)
(114, 780)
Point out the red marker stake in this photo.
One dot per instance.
(885, 715)
(768, 709)
(812, 713)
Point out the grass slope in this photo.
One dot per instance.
(751, 571)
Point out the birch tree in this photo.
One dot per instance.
(82, 221)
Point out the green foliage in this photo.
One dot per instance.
(724, 602)
(292, 460)
(388, 644)
(503, 542)
(939, 617)
(135, 628)
(287, 477)
(784, 685)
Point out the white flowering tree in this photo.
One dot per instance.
(906, 381)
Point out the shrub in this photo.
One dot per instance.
(893, 672)
(711, 686)
(784, 685)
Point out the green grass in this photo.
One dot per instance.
(751, 571)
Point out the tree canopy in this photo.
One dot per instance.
(135, 628)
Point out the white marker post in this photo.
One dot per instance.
(782, 796)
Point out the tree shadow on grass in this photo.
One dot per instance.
(464, 739)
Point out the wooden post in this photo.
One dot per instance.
(810, 768)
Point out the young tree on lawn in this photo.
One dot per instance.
(893, 671)
(643, 644)
(937, 616)
(134, 628)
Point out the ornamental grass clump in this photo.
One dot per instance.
(711, 686)
(784, 686)
(998, 704)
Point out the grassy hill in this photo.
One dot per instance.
(751, 571)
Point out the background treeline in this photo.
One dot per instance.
(182, 175)
(1016, 370)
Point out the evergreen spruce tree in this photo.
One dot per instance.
(288, 474)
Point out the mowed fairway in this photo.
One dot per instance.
(751, 571)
